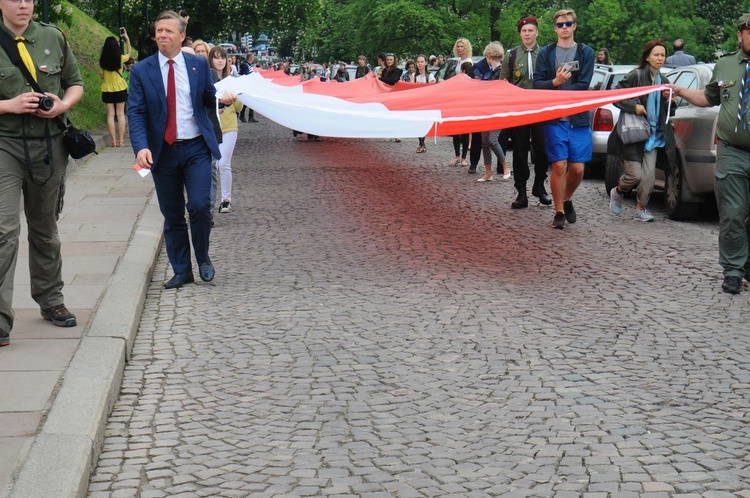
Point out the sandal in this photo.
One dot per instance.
(114, 144)
(464, 164)
(121, 144)
(454, 162)
(420, 150)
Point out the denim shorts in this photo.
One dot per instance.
(565, 143)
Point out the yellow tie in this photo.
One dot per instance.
(25, 56)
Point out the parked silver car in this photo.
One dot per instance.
(690, 181)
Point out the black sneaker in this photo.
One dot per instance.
(570, 212)
(4, 338)
(559, 221)
(747, 271)
(732, 285)
(60, 316)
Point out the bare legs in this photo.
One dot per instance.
(111, 123)
(564, 181)
(121, 122)
(116, 110)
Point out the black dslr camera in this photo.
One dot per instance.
(46, 103)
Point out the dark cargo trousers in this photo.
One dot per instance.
(40, 187)
(732, 190)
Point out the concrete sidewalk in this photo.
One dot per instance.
(60, 383)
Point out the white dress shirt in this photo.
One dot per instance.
(187, 125)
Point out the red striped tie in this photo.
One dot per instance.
(170, 134)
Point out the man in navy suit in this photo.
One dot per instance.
(171, 94)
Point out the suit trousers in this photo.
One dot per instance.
(185, 168)
(41, 204)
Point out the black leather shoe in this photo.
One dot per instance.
(521, 201)
(179, 280)
(542, 195)
(472, 170)
(558, 221)
(570, 212)
(207, 272)
(732, 285)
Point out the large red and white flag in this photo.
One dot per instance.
(368, 108)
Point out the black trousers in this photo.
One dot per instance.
(525, 137)
(250, 113)
(461, 144)
(475, 150)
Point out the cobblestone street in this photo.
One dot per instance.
(382, 325)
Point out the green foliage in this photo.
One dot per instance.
(86, 38)
(342, 29)
(58, 13)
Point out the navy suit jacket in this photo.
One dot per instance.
(147, 104)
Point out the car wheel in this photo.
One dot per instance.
(676, 208)
(612, 172)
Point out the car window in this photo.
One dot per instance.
(614, 80)
(687, 79)
(447, 71)
(597, 80)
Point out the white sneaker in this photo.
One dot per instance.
(615, 201)
(225, 207)
(643, 215)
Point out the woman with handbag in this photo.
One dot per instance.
(114, 87)
(639, 157)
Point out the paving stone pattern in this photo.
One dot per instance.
(382, 325)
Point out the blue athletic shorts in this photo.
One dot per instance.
(565, 143)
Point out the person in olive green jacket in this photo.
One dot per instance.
(728, 88)
(639, 159)
(518, 69)
(33, 159)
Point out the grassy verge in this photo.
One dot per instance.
(86, 37)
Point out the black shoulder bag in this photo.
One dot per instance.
(79, 143)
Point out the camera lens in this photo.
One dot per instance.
(46, 103)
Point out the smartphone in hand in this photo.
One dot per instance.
(570, 66)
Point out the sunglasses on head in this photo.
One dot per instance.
(566, 24)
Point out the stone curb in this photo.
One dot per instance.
(62, 456)
(126, 292)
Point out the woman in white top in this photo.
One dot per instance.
(422, 75)
(462, 50)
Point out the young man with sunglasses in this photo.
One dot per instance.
(566, 65)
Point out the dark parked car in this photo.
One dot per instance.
(448, 70)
